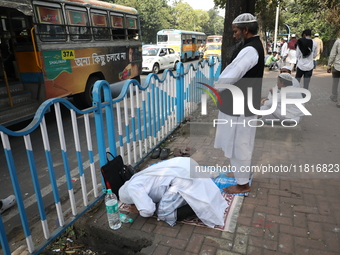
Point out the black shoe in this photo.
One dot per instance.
(164, 153)
(156, 153)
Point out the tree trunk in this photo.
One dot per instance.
(232, 10)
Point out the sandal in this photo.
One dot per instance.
(164, 153)
(156, 153)
(338, 105)
(178, 153)
(188, 152)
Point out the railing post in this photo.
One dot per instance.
(3, 239)
(211, 64)
(180, 92)
(99, 121)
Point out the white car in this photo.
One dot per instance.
(156, 58)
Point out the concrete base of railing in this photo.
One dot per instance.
(93, 231)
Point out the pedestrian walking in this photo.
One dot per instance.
(292, 52)
(284, 50)
(320, 48)
(334, 68)
(245, 71)
(306, 51)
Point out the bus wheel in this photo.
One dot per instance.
(155, 68)
(87, 95)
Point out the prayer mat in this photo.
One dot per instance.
(230, 215)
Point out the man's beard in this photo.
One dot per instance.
(239, 43)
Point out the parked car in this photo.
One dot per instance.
(213, 50)
(156, 58)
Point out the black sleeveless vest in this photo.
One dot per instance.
(252, 78)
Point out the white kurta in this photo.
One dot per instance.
(292, 56)
(237, 140)
(146, 188)
(284, 49)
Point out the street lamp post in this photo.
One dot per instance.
(276, 25)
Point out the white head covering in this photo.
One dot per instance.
(286, 76)
(244, 18)
(287, 67)
(285, 38)
(316, 34)
(293, 35)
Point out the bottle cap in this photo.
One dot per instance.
(109, 191)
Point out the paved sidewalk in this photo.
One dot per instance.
(281, 215)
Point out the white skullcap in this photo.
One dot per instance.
(244, 18)
(316, 34)
(293, 35)
(285, 38)
(286, 76)
(287, 67)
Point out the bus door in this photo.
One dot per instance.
(194, 48)
(19, 72)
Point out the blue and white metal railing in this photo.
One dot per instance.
(132, 125)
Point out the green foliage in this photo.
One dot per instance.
(156, 15)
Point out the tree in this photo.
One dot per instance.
(214, 25)
(184, 16)
(154, 16)
(233, 9)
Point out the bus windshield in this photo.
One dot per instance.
(213, 46)
(186, 43)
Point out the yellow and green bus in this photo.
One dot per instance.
(60, 48)
(186, 43)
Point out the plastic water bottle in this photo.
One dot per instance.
(125, 219)
(112, 210)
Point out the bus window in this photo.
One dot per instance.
(162, 38)
(51, 26)
(132, 28)
(20, 29)
(78, 25)
(118, 30)
(100, 29)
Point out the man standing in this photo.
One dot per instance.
(320, 48)
(306, 51)
(245, 71)
(334, 59)
(292, 52)
(284, 50)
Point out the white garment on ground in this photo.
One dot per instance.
(306, 64)
(146, 188)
